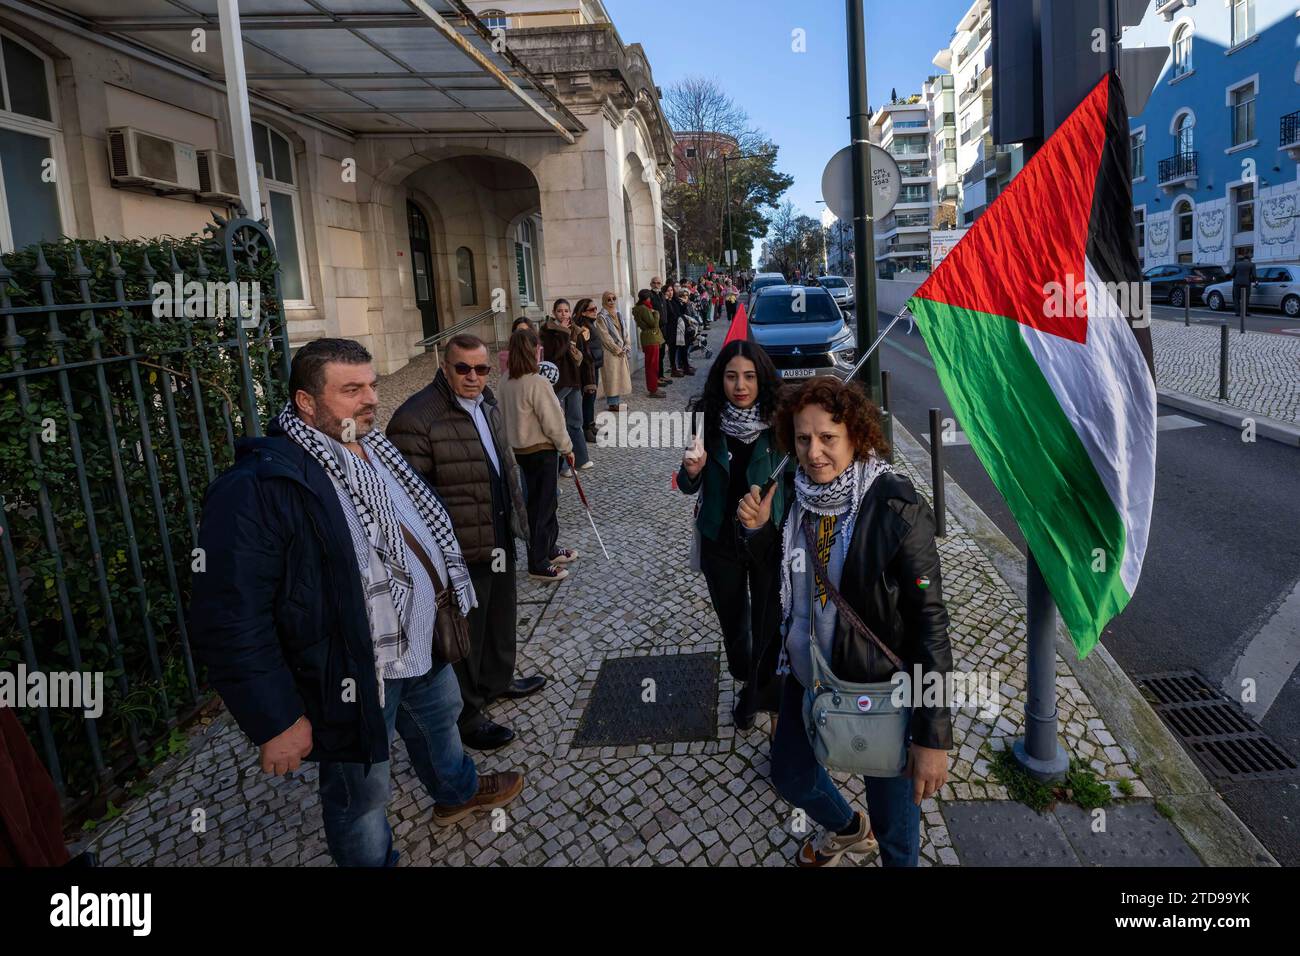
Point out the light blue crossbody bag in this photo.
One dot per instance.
(855, 728)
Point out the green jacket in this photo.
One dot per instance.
(716, 477)
(647, 320)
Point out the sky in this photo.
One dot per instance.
(800, 100)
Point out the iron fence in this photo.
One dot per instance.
(127, 372)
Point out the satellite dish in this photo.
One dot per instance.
(837, 183)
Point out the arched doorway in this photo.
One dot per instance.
(422, 268)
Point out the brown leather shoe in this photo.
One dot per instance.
(494, 790)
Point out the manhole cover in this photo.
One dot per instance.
(1217, 732)
(648, 700)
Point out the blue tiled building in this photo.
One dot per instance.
(1215, 151)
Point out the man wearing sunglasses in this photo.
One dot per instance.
(453, 435)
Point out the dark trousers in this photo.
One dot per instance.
(1240, 292)
(589, 404)
(742, 598)
(664, 355)
(538, 469)
(681, 353)
(487, 671)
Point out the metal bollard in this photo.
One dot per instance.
(886, 412)
(936, 472)
(1223, 361)
(1241, 310)
(1187, 304)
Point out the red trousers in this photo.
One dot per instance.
(651, 368)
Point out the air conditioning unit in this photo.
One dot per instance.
(218, 179)
(136, 158)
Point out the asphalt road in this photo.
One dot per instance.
(1223, 557)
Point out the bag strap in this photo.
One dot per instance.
(423, 557)
(841, 604)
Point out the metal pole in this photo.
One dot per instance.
(1039, 751)
(1223, 361)
(1241, 307)
(1187, 304)
(864, 280)
(936, 472)
(887, 412)
(731, 236)
(241, 128)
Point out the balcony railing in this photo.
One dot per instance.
(1178, 168)
(914, 168)
(974, 174)
(1291, 130)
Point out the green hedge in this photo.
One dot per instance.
(161, 343)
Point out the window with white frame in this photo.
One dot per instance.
(1243, 203)
(275, 153)
(495, 19)
(1243, 21)
(1137, 153)
(526, 261)
(1140, 229)
(1183, 50)
(1242, 104)
(32, 205)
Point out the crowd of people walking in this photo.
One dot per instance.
(362, 583)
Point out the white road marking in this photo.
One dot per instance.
(1269, 659)
(1169, 423)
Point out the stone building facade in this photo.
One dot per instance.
(393, 223)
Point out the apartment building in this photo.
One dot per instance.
(1214, 153)
(904, 130)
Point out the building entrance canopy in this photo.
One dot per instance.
(361, 67)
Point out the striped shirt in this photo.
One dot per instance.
(421, 611)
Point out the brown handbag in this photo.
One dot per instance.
(450, 628)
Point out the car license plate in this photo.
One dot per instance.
(798, 372)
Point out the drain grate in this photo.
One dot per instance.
(1224, 740)
(663, 698)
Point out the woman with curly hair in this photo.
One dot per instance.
(735, 451)
(874, 541)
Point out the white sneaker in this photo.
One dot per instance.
(588, 466)
(828, 847)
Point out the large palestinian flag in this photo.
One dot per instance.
(1030, 324)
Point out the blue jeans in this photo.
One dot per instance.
(803, 782)
(571, 401)
(354, 801)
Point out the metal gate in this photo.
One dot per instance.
(127, 372)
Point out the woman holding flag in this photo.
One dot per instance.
(861, 600)
(735, 451)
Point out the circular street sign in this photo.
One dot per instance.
(837, 183)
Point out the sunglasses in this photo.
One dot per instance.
(464, 368)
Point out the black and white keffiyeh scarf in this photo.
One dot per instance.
(745, 424)
(385, 577)
(841, 496)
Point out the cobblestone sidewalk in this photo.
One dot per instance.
(1263, 368)
(706, 802)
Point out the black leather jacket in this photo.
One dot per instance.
(891, 556)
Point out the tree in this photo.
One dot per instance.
(710, 125)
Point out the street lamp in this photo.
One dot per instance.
(726, 172)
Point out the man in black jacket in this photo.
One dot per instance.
(453, 435)
(316, 610)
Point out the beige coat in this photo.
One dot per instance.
(616, 373)
(534, 418)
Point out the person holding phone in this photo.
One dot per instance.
(735, 451)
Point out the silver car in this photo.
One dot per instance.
(840, 288)
(1275, 287)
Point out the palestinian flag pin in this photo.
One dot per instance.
(922, 583)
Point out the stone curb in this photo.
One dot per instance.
(1208, 824)
(1271, 428)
